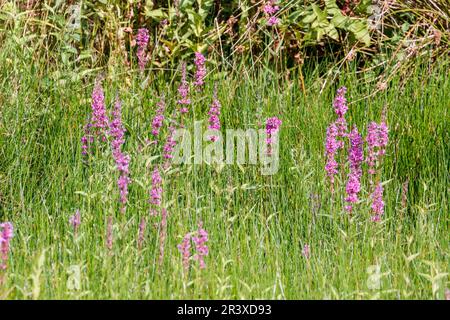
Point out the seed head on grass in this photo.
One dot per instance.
(142, 226)
(170, 143)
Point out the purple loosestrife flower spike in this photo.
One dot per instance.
(142, 42)
(340, 102)
(200, 73)
(75, 221)
(183, 91)
(377, 140)
(355, 158)
(331, 147)
(6, 234)
(272, 126)
(377, 203)
(170, 143)
(156, 191)
(214, 112)
(200, 245)
(185, 248)
(117, 132)
(158, 120)
(99, 119)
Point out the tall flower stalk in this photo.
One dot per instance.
(200, 72)
(75, 222)
(355, 159)
(336, 132)
(117, 132)
(272, 126)
(214, 113)
(185, 249)
(158, 119)
(199, 238)
(155, 192)
(142, 42)
(183, 91)
(377, 140)
(200, 245)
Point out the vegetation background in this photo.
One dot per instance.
(391, 55)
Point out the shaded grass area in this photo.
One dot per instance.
(257, 224)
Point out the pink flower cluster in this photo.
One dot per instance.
(214, 113)
(142, 42)
(75, 221)
(377, 203)
(272, 126)
(376, 139)
(199, 238)
(200, 73)
(335, 132)
(6, 234)
(270, 9)
(355, 159)
(156, 191)
(99, 119)
(332, 145)
(183, 91)
(185, 248)
(170, 143)
(117, 132)
(158, 120)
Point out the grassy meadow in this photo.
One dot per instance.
(258, 225)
